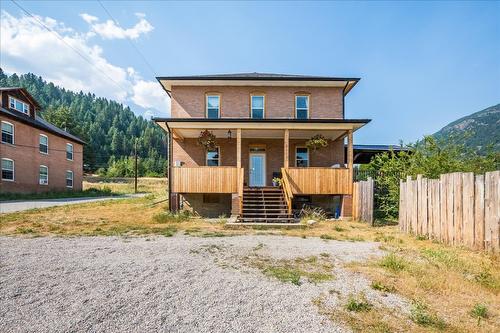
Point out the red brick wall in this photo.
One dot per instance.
(189, 152)
(28, 159)
(189, 101)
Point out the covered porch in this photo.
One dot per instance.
(251, 153)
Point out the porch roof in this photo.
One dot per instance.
(261, 128)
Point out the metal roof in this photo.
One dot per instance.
(257, 76)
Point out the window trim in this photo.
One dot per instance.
(72, 151)
(308, 156)
(39, 179)
(20, 101)
(303, 94)
(13, 132)
(218, 159)
(213, 94)
(257, 94)
(13, 170)
(72, 178)
(41, 152)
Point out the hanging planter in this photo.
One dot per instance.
(316, 142)
(207, 140)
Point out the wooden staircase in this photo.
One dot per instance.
(264, 205)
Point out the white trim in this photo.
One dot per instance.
(263, 105)
(206, 105)
(13, 132)
(23, 103)
(264, 155)
(13, 170)
(72, 178)
(39, 143)
(308, 161)
(308, 105)
(39, 179)
(72, 151)
(218, 159)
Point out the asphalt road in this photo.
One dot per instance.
(21, 205)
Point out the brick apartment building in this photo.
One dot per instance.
(35, 155)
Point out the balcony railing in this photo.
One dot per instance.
(304, 181)
(206, 180)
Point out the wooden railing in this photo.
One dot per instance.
(316, 180)
(205, 180)
(240, 187)
(285, 183)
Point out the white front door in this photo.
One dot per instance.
(257, 169)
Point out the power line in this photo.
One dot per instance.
(130, 41)
(67, 44)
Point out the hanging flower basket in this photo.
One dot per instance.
(207, 140)
(316, 142)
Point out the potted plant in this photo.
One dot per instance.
(316, 142)
(276, 181)
(207, 140)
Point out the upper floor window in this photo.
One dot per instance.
(69, 178)
(301, 157)
(18, 105)
(43, 175)
(69, 151)
(213, 106)
(7, 132)
(213, 157)
(302, 106)
(44, 144)
(257, 106)
(7, 169)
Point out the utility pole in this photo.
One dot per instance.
(135, 167)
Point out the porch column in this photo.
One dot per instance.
(286, 152)
(350, 157)
(238, 148)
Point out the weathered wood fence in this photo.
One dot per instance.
(458, 209)
(362, 201)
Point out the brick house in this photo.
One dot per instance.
(261, 124)
(35, 155)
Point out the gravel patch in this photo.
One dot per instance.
(177, 284)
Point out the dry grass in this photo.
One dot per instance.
(126, 185)
(447, 283)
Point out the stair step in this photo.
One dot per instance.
(280, 219)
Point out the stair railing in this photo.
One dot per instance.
(241, 177)
(287, 189)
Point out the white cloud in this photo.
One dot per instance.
(31, 48)
(109, 29)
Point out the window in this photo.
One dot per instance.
(302, 107)
(213, 157)
(213, 106)
(16, 104)
(69, 178)
(7, 169)
(43, 175)
(69, 151)
(44, 144)
(7, 132)
(257, 107)
(301, 157)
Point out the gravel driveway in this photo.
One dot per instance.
(177, 284)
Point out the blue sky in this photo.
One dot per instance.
(422, 64)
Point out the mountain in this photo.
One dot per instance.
(109, 128)
(478, 130)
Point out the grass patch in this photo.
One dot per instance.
(380, 286)
(327, 237)
(479, 311)
(169, 217)
(358, 304)
(421, 315)
(22, 230)
(93, 192)
(338, 228)
(393, 263)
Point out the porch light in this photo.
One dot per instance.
(229, 134)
